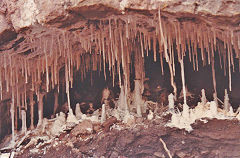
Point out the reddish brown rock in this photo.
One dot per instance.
(108, 123)
(85, 127)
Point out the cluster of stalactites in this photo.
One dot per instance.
(38, 59)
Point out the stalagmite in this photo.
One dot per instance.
(226, 102)
(213, 108)
(170, 101)
(78, 112)
(32, 111)
(138, 82)
(138, 96)
(122, 102)
(24, 125)
(40, 109)
(103, 115)
(203, 98)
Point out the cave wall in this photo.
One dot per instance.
(5, 121)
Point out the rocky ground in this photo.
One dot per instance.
(217, 138)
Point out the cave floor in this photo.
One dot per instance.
(216, 138)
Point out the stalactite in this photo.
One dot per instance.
(214, 78)
(46, 62)
(67, 87)
(214, 39)
(59, 45)
(161, 61)
(104, 58)
(52, 76)
(127, 28)
(141, 42)
(17, 75)
(154, 49)
(18, 98)
(183, 81)
(231, 55)
(1, 86)
(148, 44)
(202, 52)
(12, 116)
(166, 54)
(55, 71)
(25, 97)
(25, 70)
(11, 74)
(196, 61)
(71, 75)
(229, 69)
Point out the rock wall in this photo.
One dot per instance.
(5, 121)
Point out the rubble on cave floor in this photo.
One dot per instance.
(138, 137)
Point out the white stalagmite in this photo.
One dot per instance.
(121, 100)
(40, 109)
(138, 97)
(138, 82)
(203, 98)
(150, 115)
(226, 102)
(215, 98)
(24, 125)
(78, 112)
(103, 116)
(71, 117)
(59, 124)
(170, 101)
(213, 108)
